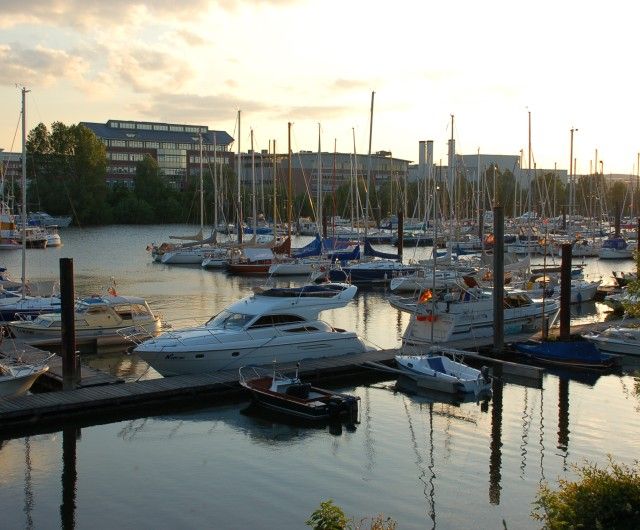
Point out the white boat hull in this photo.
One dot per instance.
(619, 340)
(22, 380)
(215, 356)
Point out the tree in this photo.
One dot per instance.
(600, 498)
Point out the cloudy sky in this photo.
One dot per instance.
(568, 63)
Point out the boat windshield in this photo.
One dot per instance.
(229, 320)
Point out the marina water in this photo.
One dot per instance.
(426, 464)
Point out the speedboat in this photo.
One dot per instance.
(108, 319)
(439, 372)
(467, 313)
(290, 396)
(16, 378)
(280, 323)
(616, 340)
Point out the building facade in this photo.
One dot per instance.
(176, 148)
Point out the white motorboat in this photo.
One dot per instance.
(45, 219)
(184, 256)
(15, 305)
(439, 372)
(16, 378)
(109, 319)
(278, 323)
(424, 278)
(616, 340)
(468, 313)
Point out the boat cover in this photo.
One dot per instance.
(370, 251)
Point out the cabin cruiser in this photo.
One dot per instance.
(276, 323)
(109, 319)
(467, 313)
(624, 340)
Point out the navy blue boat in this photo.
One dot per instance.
(580, 354)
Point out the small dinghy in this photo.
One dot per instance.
(16, 378)
(292, 397)
(580, 354)
(439, 372)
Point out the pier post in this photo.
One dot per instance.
(401, 234)
(70, 369)
(498, 279)
(565, 292)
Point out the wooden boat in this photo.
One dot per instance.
(439, 372)
(292, 397)
(579, 354)
(16, 379)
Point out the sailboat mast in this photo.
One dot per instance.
(239, 185)
(201, 189)
(23, 217)
(253, 189)
(319, 185)
(215, 182)
(289, 183)
(275, 195)
(366, 204)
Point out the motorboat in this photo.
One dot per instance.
(467, 313)
(109, 319)
(615, 339)
(216, 258)
(377, 271)
(439, 372)
(425, 278)
(14, 305)
(292, 397)
(45, 219)
(280, 323)
(17, 378)
(577, 354)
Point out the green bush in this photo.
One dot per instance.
(331, 517)
(607, 498)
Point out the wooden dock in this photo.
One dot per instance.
(98, 397)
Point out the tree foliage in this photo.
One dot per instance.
(331, 517)
(601, 498)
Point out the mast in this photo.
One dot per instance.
(319, 187)
(239, 185)
(366, 203)
(253, 189)
(215, 183)
(275, 195)
(201, 189)
(289, 183)
(23, 217)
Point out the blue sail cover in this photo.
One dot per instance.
(344, 256)
(370, 251)
(310, 249)
(617, 243)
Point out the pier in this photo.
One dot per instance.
(102, 395)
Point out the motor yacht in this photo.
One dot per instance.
(277, 323)
(467, 313)
(108, 319)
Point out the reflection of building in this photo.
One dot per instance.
(175, 147)
(336, 169)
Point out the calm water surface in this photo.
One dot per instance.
(426, 464)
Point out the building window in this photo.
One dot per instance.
(152, 145)
(176, 128)
(159, 127)
(144, 126)
(135, 143)
(117, 143)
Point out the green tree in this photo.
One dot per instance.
(600, 498)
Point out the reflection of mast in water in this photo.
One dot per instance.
(399, 326)
(563, 419)
(495, 460)
(28, 489)
(70, 435)
(542, 477)
(368, 440)
(526, 423)
(430, 485)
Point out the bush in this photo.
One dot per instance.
(607, 498)
(331, 517)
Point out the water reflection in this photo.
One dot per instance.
(28, 486)
(563, 419)
(70, 435)
(495, 459)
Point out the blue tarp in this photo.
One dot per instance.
(344, 256)
(370, 251)
(311, 249)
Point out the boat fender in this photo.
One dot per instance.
(486, 376)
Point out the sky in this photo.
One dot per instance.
(494, 65)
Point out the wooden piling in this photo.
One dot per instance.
(498, 279)
(70, 371)
(565, 292)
